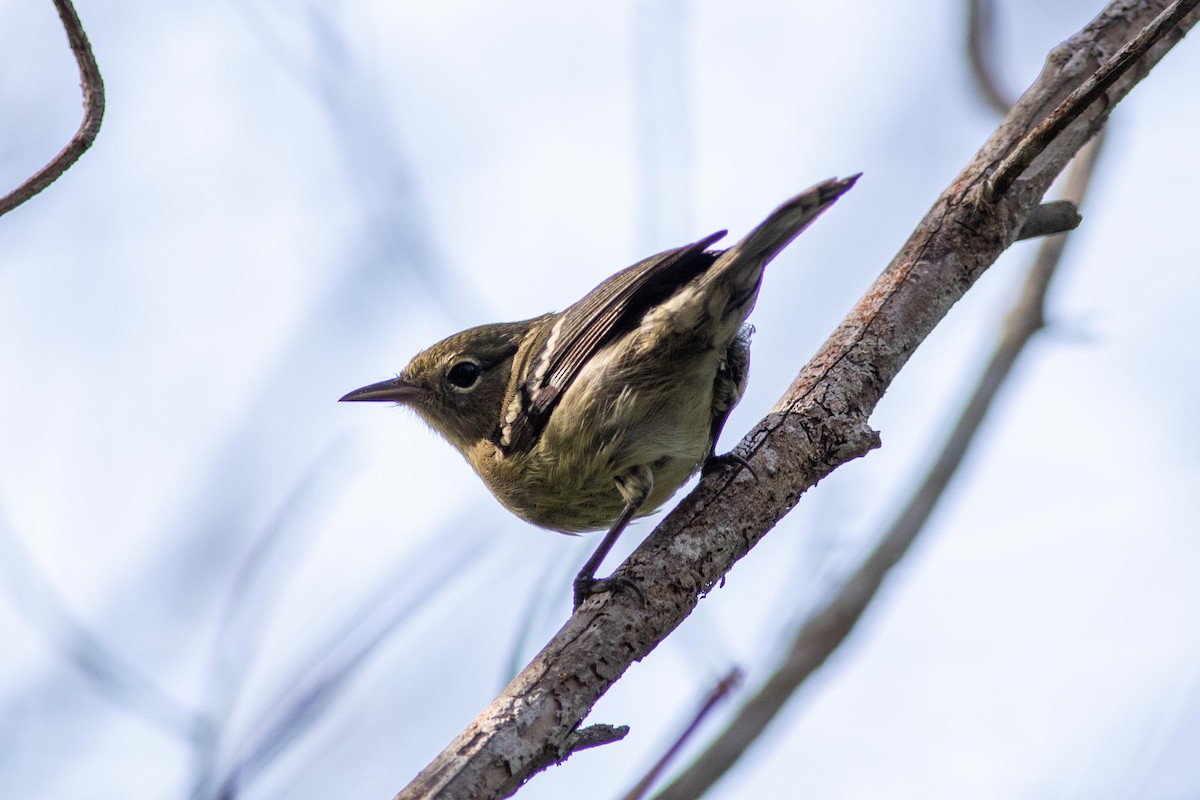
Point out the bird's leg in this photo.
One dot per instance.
(728, 387)
(635, 486)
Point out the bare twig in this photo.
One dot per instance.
(819, 424)
(592, 736)
(1084, 95)
(825, 630)
(93, 113)
(719, 692)
(1058, 216)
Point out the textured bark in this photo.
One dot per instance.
(820, 423)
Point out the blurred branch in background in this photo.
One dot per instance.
(326, 671)
(554, 582)
(981, 55)
(253, 594)
(203, 621)
(715, 697)
(93, 113)
(819, 636)
(364, 295)
(199, 548)
(818, 425)
(395, 233)
(113, 676)
(201, 555)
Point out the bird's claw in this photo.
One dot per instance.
(585, 586)
(730, 459)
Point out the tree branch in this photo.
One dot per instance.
(826, 629)
(1084, 95)
(1047, 219)
(93, 113)
(820, 423)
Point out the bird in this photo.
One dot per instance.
(588, 418)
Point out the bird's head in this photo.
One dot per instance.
(458, 385)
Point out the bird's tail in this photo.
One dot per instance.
(743, 263)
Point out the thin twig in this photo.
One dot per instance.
(719, 693)
(1058, 216)
(1084, 95)
(590, 736)
(93, 113)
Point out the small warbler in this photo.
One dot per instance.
(587, 418)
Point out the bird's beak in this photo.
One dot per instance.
(393, 391)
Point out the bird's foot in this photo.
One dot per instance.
(587, 585)
(724, 461)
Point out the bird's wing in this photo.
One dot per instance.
(613, 307)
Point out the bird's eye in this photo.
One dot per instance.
(464, 374)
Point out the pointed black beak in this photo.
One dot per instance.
(393, 391)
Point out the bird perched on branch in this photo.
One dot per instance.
(587, 418)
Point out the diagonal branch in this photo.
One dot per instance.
(819, 424)
(826, 629)
(93, 113)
